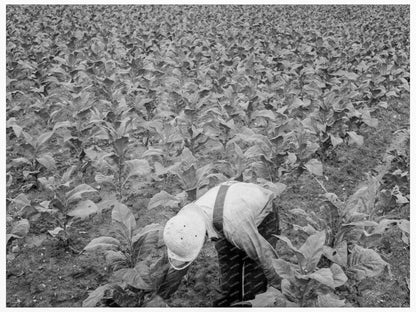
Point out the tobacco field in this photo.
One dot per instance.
(118, 116)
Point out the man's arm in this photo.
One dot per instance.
(248, 238)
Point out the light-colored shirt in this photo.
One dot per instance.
(245, 207)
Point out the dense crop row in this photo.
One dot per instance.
(178, 98)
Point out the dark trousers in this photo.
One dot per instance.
(241, 277)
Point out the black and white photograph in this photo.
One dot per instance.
(232, 155)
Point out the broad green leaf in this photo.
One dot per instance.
(159, 169)
(21, 228)
(356, 138)
(271, 298)
(368, 120)
(35, 241)
(189, 179)
(315, 167)
(21, 160)
(78, 192)
(310, 150)
(29, 139)
(156, 301)
(202, 172)
(103, 179)
(162, 198)
(335, 140)
(400, 199)
(94, 153)
(120, 145)
(308, 229)
(175, 169)
(187, 158)
(255, 151)
(349, 233)
(404, 225)
(83, 209)
(264, 113)
(21, 201)
(277, 187)
(351, 76)
(382, 104)
(48, 183)
(386, 224)
(146, 240)
(103, 242)
(67, 174)
(229, 124)
(345, 74)
(362, 223)
(329, 300)
(249, 136)
(238, 151)
(291, 158)
(165, 279)
(11, 122)
(96, 296)
(324, 276)
(108, 162)
(405, 238)
(299, 254)
(257, 168)
(334, 200)
(45, 207)
(153, 152)
(55, 232)
(298, 211)
(284, 269)
(292, 292)
(312, 250)
(10, 236)
(154, 227)
(216, 178)
(43, 138)
(311, 125)
(114, 258)
(338, 255)
(297, 102)
(47, 161)
(134, 277)
(137, 167)
(62, 124)
(364, 263)
(123, 215)
(57, 204)
(338, 275)
(363, 200)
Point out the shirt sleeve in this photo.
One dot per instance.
(256, 247)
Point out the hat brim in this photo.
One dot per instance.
(177, 262)
(180, 263)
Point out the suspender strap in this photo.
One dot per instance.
(219, 208)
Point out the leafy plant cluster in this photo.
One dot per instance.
(338, 251)
(131, 254)
(183, 97)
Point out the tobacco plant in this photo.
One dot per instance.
(67, 204)
(35, 153)
(141, 272)
(115, 168)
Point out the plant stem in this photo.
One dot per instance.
(320, 183)
(120, 170)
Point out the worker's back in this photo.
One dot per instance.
(242, 200)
